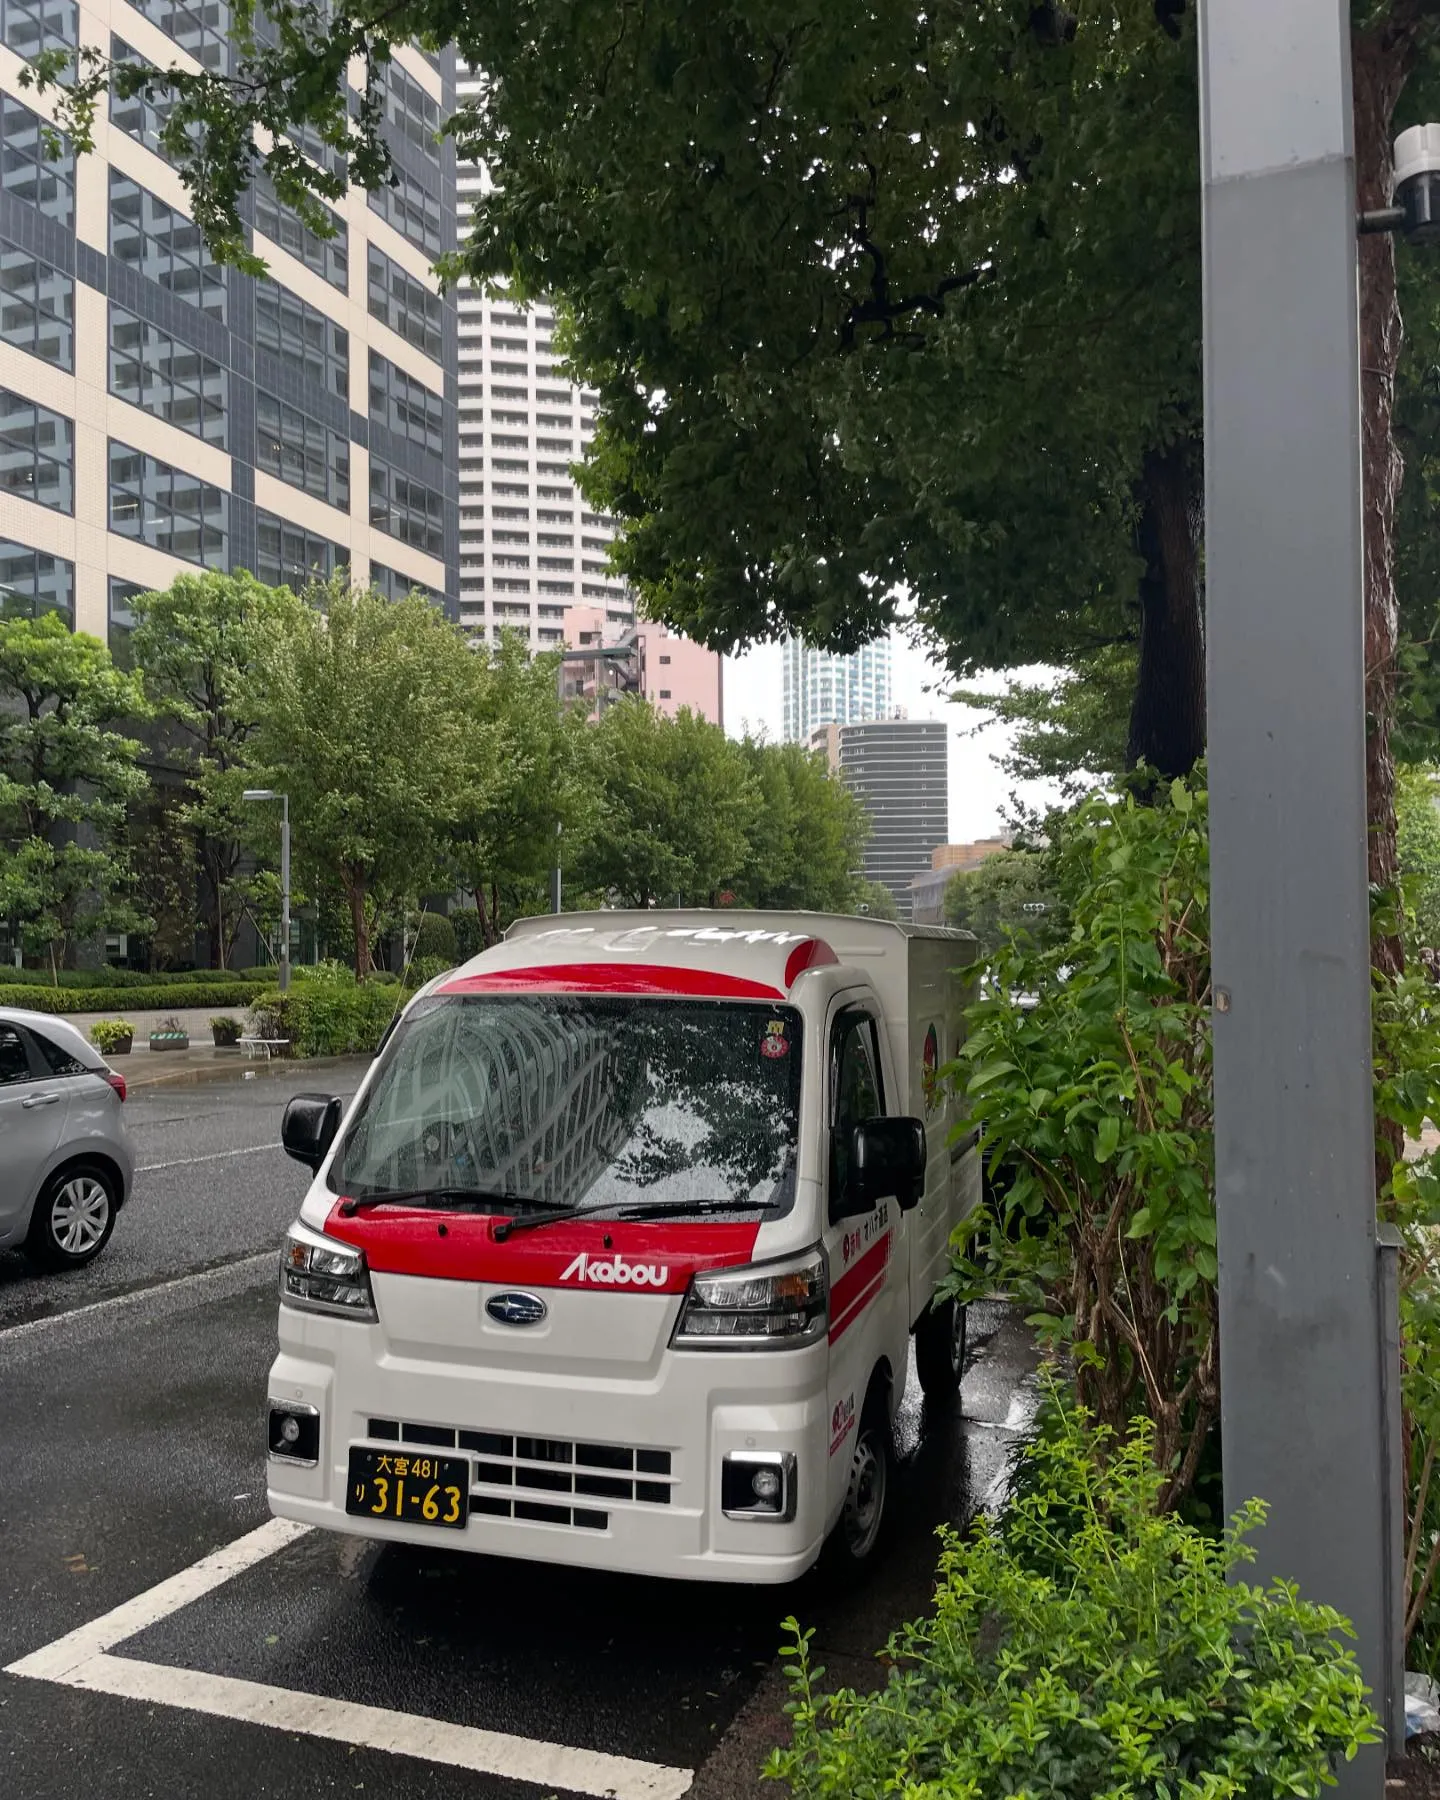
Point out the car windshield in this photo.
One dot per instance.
(566, 1100)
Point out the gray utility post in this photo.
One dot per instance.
(1300, 1316)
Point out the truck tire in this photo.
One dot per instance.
(851, 1545)
(940, 1350)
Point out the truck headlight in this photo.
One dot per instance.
(765, 1306)
(320, 1274)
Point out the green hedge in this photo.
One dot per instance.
(198, 991)
(326, 1019)
(125, 978)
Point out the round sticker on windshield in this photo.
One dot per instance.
(775, 1044)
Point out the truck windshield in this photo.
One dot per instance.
(558, 1100)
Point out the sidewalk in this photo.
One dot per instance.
(143, 1067)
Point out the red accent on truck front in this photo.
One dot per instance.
(852, 1292)
(621, 1256)
(612, 978)
(812, 954)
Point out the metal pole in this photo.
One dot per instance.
(1300, 1329)
(555, 905)
(284, 893)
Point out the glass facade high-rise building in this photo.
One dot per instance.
(531, 547)
(822, 688)
(160, 413)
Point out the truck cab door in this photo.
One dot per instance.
(866, 1248)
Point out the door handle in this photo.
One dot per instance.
(40, 1100)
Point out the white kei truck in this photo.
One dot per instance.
(614, 1258)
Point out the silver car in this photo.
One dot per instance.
(66, 1163)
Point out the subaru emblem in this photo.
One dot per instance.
(516, 1309)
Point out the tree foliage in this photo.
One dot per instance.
(361, 721)
(806, 835)
(67, 773)
(1011, 893)
(672, 802)
(196, 645)
(1419, 852)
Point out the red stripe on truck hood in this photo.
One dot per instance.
(611, 1256)
(612, 978)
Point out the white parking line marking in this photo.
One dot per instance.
(212, 1156)
(212, 1277)
(81, 1659)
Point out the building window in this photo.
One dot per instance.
(328, 257)
(412, 112)
(412, 209)
(664, 693)
(395, 586)
(407, 509)
(32, 583)
(286, 556)
(25, 169)
(122, 610)
(202, 29)
(405, 406)
(37, 458)
(142, 116)
(164, 246)
(301, 451)
(303, 338)
(406, 305)
(30, 26)
(153, 370)
(168, 508)
(664, 659)
(37, 307)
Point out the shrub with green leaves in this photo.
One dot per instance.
(435, 936)
(107, 1035)
(327, 1018)
(1088, 1644)
(199, 991)
(1099, 1099)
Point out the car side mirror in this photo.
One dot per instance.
(309, 1126)
(887, 1156)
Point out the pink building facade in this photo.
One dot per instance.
(661, 666)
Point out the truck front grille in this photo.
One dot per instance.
(510, 1468)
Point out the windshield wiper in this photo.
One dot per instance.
(632, 1209)
(435, 1196)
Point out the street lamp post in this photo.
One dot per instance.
(284, 799)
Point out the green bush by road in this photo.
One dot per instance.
(325, 1018)
(199, 991)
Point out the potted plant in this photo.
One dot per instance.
(112, 1037)
(170, 1035)
(226, 1031)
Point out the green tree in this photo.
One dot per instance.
(195, 644)
(1419, 851)
(1010, 892)
(806, 834)
(672, 800)
(875, 298)
(1073, 729)
(874, 898)
(361, 715)
(522, 784)
(67, 774)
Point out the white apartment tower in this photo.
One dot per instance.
(822, 688)
(530, 547)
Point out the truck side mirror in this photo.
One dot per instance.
(309, 1126)
(887, 1156)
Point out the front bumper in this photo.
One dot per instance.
(595, 1472)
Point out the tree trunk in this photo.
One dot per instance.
(355, 893)
(1382, 59)
(489, 926)
(1167, 715)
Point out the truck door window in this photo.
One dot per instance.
(855, 1092)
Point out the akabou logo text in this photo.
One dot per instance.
(614, 1271)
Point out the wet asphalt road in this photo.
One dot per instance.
(131, 1442)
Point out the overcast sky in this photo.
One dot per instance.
(754, 700)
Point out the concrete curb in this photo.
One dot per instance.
(228, 1068)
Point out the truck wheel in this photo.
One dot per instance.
(862, 1518)
(940, 1350)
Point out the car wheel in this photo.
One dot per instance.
(862, 1518)
(940, 1350)
(73, 1217)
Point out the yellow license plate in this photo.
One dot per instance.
(408, 1488)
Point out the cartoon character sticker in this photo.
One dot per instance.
(930, 1071)
(775, 1044)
